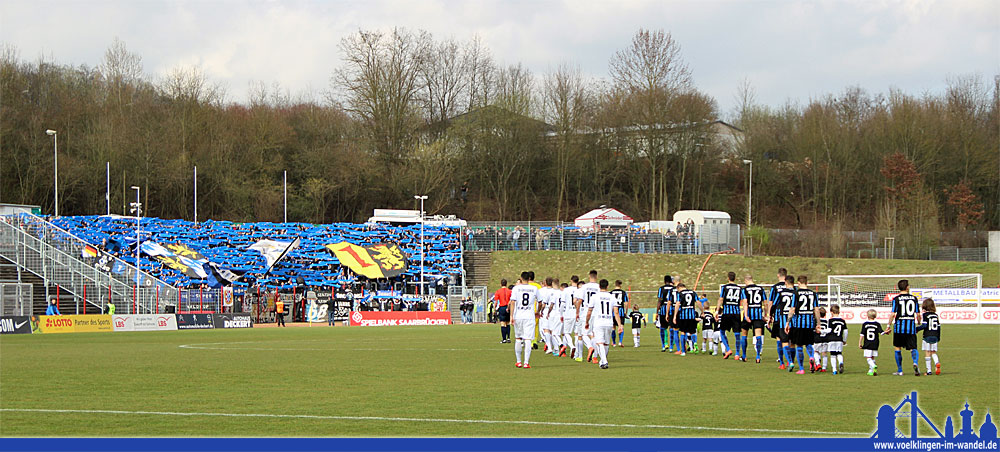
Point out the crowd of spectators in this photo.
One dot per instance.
(226, 244)
(682, 240)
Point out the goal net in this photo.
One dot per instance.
(958, 297)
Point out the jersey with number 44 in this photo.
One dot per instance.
(524, 297)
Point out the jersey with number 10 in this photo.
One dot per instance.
(904, 306)
(524, 297)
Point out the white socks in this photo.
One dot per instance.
(588, 341)
(635, 339)
(602, 351)
(527, 351)
(567, 338)
(935, 358)
(871, 363)
(824, 361)
(518, 347)
(927, 361)
(840, 360)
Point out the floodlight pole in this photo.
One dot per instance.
(421, 198)
(55, 164)
(196, 194)
(285, 193)
(749, 205)
(107, 189)
(138, 213)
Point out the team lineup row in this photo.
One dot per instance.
(577, 316)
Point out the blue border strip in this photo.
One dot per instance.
(438, 444)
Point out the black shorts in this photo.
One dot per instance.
(730, 322)
(776, 331)
(803, 336)
(745, 326)
(902, 340)
(664, 324)
(691, 326)
(757, 324)
(502, 314)
(782, 335)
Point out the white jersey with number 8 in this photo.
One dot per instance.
(524, 297)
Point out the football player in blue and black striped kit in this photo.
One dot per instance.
(784, 300)
(664, 301)
(753, 316)
(903, 326)
(686, 317)
(729, 303)
(623, 307)
(803, 323)
(777, 330)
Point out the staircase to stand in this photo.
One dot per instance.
(54, 257)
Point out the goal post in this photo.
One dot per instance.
(958, 297)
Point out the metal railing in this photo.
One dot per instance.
(16, 298)
(56, 256)
(952, 253)
(535, 236)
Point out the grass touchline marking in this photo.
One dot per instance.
(413, 419)
(208, 346)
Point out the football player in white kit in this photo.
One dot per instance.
(553, 314)
(601, 318)
(588, 291)
(568, 318)
(544, 294)
(581, 311)
(524, 297)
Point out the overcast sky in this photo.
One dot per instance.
(788, 50)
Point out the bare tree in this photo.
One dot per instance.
(445, 75)
(381, 78)
(566, 102)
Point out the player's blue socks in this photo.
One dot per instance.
(790, 355)
(621, 336)
(899, 361)
(739, 343)
(725, 341)
(758, 344)
(683, 343)
(781, 354)
(809, 349)
(914, 355)
(663, 338)
(800, 355)
(674, 346)
(743, 343)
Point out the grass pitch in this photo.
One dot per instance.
(645, 271)
(452, 381)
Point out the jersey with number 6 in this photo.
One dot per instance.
(604, 305)
(524, 297)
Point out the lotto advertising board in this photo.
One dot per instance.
(89, 323)
(144, 322)
(399, 318)
(17, 324)
(233, 320)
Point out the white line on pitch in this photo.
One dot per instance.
(211, 346)
(415, 419)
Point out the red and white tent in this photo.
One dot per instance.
(603, 217)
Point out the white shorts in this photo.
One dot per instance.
(820, 347)
(871, 353)
(524, 329)
(928, 347)
(602, 334)
(569, 325)
(543, 323)
(707, 334)
(635, 331)
(579, 326)
(717, 336)
(555, 326)
(835, 346)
